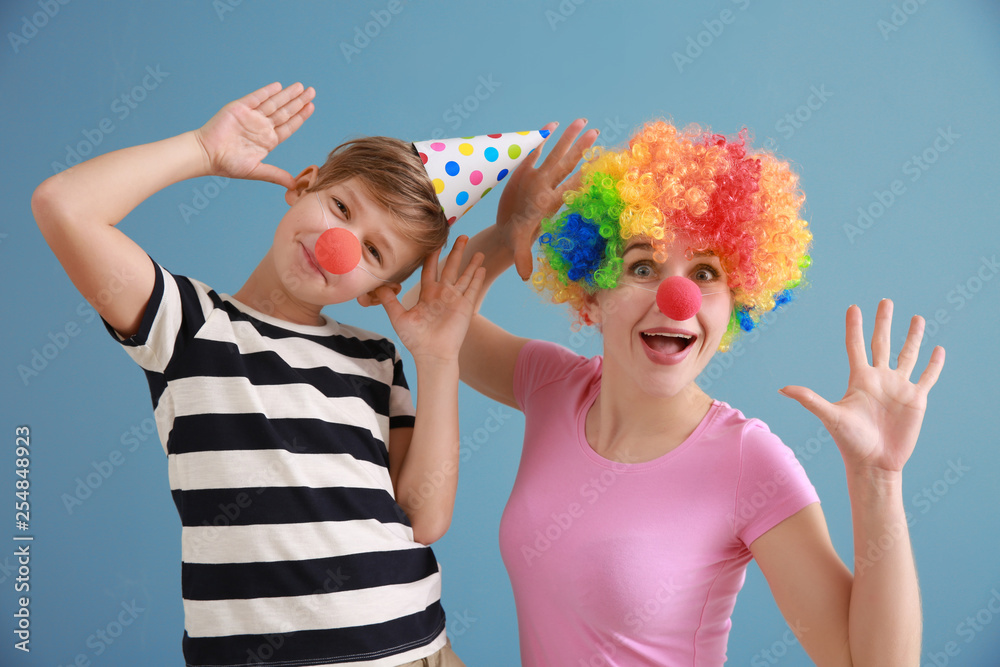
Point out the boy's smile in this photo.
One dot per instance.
(311, 258)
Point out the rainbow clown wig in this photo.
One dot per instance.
(741, 205)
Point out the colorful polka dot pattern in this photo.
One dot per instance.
(464, 169)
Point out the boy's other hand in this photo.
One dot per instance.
(238, 138)
(434, 328)
(533, 194)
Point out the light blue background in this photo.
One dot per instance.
(887, 94)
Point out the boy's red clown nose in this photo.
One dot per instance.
(338, 251)
(678, 298)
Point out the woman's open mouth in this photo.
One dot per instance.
(667, 346)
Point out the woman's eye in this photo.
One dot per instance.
(643, 271)
(706, 273)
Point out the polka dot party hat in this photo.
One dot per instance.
(464, 169)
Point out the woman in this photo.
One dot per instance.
(639, 499)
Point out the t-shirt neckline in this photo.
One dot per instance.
(329, 325)
(618, 466)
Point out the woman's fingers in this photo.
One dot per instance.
(523, 257)
(568, 152)
(532, 157)
(569, 135)
(933, 370)
(881, 334)
(857, 357)
(572, 183)
(812, 402)
(911, 348)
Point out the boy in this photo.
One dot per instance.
(296, 460)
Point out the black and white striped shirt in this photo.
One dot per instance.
(294, 549)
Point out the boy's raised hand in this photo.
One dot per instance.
(435, 326)
(533, 194)
(238, 138)
(877, 422)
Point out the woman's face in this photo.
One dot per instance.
(662, 355)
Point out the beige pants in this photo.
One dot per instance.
(443, 658)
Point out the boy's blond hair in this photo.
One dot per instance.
(394, 176)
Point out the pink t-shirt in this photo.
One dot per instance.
(633, 564)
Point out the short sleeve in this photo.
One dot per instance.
(772, 484)
(177, 309)
(540, 363)
(401, 412)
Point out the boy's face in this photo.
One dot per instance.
(385, 252)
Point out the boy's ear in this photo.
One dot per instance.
(303, 182)
(372, 299)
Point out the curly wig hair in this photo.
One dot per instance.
(740, 204)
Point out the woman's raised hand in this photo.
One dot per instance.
(533, 194)
(877, 422)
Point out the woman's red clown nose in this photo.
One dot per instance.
(338, 251)
(678, 298)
